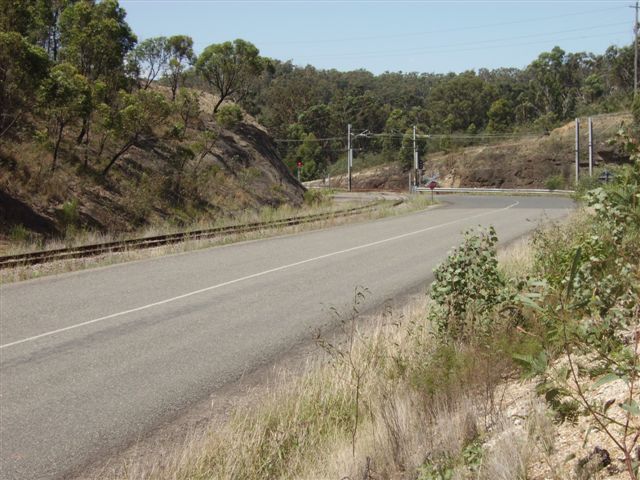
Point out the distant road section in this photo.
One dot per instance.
(93, 360)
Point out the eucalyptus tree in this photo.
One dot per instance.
(181, 57)
(134, 117)
(96, 39)
(150, 59)
(229, 68)
(22, 68)
(64, 96)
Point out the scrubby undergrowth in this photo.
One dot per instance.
(180, 172)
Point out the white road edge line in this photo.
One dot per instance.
(254, 275)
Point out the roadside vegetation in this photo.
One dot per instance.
(522, 364)
(316, 202)
(22, 241)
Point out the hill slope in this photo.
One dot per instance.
(160, 179)
(519, 163)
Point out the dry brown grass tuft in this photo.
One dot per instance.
(508, 457)
(516, 260)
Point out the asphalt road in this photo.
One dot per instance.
(92, 360)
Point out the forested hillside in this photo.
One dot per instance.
(304, 104)
(101, 129)
(89, 139)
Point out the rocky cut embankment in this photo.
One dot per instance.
(159, 180)
(518, 162)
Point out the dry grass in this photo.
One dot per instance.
(509, 457)
(516, 260)
(86, 237)
(357, 411)
(304, 426)
(16, 274)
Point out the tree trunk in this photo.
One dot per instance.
(113, 160)
(56, 147)
(103, 142)
(86, 149)
(215, 109)
(83, 132)
(174, 88)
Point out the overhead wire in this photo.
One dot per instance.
(406, 51)
(443, 50)
(463, 136)
(447, 30)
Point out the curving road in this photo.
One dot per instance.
(90, 361)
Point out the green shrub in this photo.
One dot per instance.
(586, 183)
(19, 234)
(229, 115)
(70, 216)
(553, 248)
(546, 122)
(590, 303)
(443, 368)
(554, 182)
(449, 467)
(468, 288)
(315, 196)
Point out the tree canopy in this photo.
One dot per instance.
(229, 68)
(96, 38)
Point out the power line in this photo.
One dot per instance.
(496, 40)
(492, 47)
(294, 140)
(445, 50)
(463, 136)
(457, 29)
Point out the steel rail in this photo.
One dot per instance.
(44, 256)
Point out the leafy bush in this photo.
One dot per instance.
(315, 197)
(586, 183)
(229, 115)
(553, 248)
(442, 369)
(468, 288)
(554, 182)
(469, 460)
(19, 234)
(69, 216)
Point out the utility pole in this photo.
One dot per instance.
(415, 158)
(635, 63)
(349, 155)
(577, 149)
(590, 147)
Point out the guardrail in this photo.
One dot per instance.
(530, 191)
(83, 251)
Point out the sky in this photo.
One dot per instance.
(379, 36)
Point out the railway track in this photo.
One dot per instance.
(44, 256)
